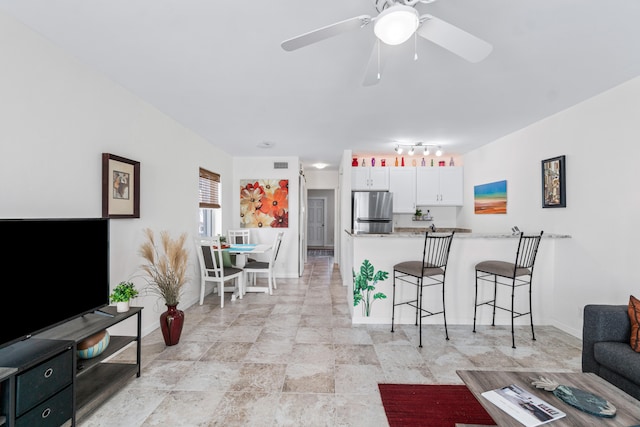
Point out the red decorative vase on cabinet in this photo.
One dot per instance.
(171, 322)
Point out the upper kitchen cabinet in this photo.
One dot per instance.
(441, 186)
(402, 183)
(370, 178)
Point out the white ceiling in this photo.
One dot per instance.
(218, 68)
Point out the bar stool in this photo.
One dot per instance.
(430, 271)
(515, 274)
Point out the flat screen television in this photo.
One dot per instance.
(51, 271)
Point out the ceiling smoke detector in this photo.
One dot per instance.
(266, 144)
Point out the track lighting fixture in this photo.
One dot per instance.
(427, 149)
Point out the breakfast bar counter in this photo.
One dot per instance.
(468, 248)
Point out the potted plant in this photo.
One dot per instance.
(418, 214)
(165, 266)
(223, 241)
(122, 294)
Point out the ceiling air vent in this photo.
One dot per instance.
(280, 165)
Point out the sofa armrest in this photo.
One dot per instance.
(602, 323)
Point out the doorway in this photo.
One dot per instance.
(321, 211)
(316, 208)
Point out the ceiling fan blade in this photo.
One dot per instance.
(375, 66)
(325, 32)
(454, 39)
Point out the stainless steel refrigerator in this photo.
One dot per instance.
(372, 212)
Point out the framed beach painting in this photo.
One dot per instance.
(490, 198)
(554, 194)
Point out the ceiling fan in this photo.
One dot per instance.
(396, 22)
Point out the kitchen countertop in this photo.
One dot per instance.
(460, 233)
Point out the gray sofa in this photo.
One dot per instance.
(605, 347)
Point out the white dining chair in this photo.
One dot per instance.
(261, 267)
(213, 269)
(240, 236)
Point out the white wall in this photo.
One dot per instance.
(322, 179)
(57, 119)
(342, 252)
(600, 139)
(263, 168)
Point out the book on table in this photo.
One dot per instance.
(528, 409)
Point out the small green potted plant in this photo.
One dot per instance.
(122, 294)
(223, 241)
(418, 214)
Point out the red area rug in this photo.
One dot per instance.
(431, 405)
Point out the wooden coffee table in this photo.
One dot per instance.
(628, 408)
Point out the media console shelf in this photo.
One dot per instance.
(98, 378)
(37, 383)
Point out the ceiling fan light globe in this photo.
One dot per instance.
(396, 24)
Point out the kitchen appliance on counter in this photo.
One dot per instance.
(372, 212)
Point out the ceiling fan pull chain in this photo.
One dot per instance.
(415, 46)
(378, 45)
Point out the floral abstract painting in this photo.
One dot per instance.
(264, 203)
(490, 198)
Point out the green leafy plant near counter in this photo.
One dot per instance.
(365, 292)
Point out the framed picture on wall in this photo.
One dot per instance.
(264, 203)
(554, 193)
(490, 198)
(120, 187)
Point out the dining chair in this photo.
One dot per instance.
(213, 269)
(513, 275)
(261, 267)
(430, 271)
(239, 236)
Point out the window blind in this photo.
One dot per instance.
(209, 185)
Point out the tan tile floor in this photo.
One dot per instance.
(295, 359)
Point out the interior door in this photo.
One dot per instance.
(316, 221)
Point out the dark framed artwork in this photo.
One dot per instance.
(554, 193)
(120, 187)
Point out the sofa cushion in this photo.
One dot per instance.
(634, 318)
(618, 357)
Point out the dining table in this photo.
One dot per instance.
(242, 252)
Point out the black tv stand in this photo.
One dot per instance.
(89, 382)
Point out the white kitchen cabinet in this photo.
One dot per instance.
(370, 178)
(402, 183)
(441, 186)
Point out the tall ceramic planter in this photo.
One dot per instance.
(171, 322)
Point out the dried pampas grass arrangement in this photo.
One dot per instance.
(166, 267)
